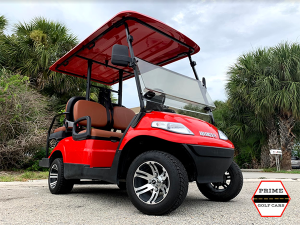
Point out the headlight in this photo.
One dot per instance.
(173, 127)
(222, 135)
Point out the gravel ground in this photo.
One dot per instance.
(32, 203)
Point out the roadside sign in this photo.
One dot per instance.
(275, 151)
(271, 198)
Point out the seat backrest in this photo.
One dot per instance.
(122, 117)
(70, 106)
(94, 110)
(105, 100)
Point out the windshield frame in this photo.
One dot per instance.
(155, 79)
(133, 65)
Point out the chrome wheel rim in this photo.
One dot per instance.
(53, 176)
(222, 186)
(151, 182)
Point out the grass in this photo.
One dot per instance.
(10, 176)
(274, 170)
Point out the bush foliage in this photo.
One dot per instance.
(23, 121)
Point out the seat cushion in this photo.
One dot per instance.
(103, 133)
(94, 110)
(122, 117)
(63, 128)
(59, 129)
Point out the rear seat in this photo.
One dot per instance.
(97, 112)
(69, 117)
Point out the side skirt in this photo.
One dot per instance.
(81, 171)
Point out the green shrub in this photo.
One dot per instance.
(24, 121)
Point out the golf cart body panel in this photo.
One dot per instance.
(206, 152)
(195, 125)
(95, 153)
(154, 42)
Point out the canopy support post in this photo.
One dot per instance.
(133, 65)
(193, 64)
(120, 92)
(88, 80)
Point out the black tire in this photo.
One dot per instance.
(169, 184)
(56, 180)
(224, 191)
(122, 185)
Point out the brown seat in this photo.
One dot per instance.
(97, 113)
(103, 133)
(59, 129)
(69, 108)
(122, 117)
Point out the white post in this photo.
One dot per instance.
(276, 153)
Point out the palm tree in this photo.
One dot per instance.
(3, 23)
(265, 85)
(34, 47)
(246, 123)
(277, 93)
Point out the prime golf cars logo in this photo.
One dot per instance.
(271, 198)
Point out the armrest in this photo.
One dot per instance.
(53, 120)
(49, 131)
(87, 133)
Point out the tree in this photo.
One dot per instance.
(34, 47)
(3, 23)
(264, 86)
(277, 93)
(238, 126)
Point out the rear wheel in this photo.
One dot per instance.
(56, 181)
(226, 190)
(157, 183)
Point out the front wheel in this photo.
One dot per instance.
(157, 183)
(226, 190)
(56, 180)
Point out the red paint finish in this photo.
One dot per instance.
(147, 45)
(195, 125)
(96, 153)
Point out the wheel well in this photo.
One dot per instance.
(141, 144)
(55, 155)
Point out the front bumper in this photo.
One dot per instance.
(211, 162)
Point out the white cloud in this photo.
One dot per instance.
(178, 18)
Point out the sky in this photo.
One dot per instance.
(224, 30)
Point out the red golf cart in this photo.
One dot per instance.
(153, 154)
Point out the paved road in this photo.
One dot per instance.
(263, 175)
(32, 203)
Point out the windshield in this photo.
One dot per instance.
(172, 89)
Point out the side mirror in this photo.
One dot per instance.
(119, 56)
(149, 95)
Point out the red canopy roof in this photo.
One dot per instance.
(153, 41)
